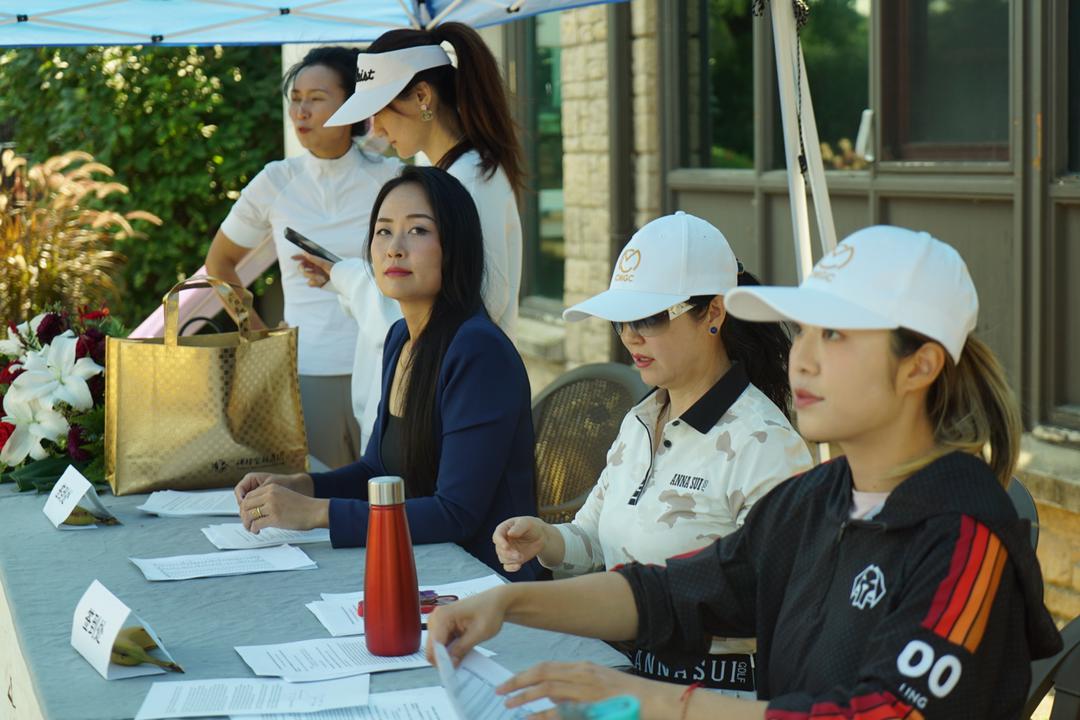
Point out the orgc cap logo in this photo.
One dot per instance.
(840, 257)
(628, 263)
(630, 260)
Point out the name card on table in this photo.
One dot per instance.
(73, 503)
(99, 619)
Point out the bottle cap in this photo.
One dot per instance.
(623, 707)
(386, 490)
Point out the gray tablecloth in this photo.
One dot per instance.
(44, 572)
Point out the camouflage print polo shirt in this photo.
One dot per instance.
(711, 465)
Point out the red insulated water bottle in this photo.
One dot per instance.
(391, 600)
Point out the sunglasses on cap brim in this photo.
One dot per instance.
(654, 324)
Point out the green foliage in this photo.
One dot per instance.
(835, 44)
(57, 248)
(183, 128)
(731, 79)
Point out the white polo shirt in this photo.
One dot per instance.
(329, 201)
(712, 464)
(500, 224)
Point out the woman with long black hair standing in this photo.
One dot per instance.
(455, 419)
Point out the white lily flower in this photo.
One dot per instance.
(54, 375)
(14, 346)
(34, 422)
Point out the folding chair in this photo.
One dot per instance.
(1061, 673)
(576, 419)
(1025, 507)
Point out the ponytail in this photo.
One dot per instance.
(970, 405)
(473, 91)
(760, 347)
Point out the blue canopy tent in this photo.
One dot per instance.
(245, 22)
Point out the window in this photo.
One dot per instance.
(1074, 86)
(945, 92)
(835, 45)
(545, 154)
(719, 95)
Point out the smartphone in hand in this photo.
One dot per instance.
(310, 246)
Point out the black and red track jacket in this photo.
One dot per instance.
(932, 609)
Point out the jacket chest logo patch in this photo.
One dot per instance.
(868, 588)
(688, 482)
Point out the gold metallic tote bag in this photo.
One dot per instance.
(185, 413)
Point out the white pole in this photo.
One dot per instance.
(784, 42)
(822, 204)
(783, 21)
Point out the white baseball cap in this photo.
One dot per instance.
(380, 77)
(666, 262)
(878, 278)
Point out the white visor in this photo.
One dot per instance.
(380, 77)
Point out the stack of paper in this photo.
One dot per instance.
(323, 659)
(235, 562)
(430, 703)
(201, 698)
(337, 611)
(174, 503)
(471, 688)
(233, 536)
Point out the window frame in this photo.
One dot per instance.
(882, 104)
(520, 43)
(1061, 187)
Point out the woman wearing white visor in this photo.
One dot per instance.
(893, 582)
(459, 118)
(694, 456)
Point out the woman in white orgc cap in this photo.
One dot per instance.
(459, 118)
(693, 457)
(895, 581)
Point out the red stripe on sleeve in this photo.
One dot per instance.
(963, 588)
(872, 706)
(956, 568)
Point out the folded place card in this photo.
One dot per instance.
(114, 640)
(73, 503)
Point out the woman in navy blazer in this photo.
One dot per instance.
(454, 419)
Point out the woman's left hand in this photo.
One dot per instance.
(574, 682)
(273, 505)
(315, 269)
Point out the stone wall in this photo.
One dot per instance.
(1052, 474)
(585, 158)
(647, 181)
(585, 175)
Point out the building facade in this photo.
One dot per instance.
(969, 111)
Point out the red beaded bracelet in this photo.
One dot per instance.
(684, 699)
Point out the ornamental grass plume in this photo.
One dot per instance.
(56, 234)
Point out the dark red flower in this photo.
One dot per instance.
(50, 326)
(93, 314)
(75, 439)
(97, 388)
(10, 372)
(92, 343)
(6, 429)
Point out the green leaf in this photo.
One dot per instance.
(35, 474)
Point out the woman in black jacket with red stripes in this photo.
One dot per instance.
(893, 582)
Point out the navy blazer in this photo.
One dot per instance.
(486, 462)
